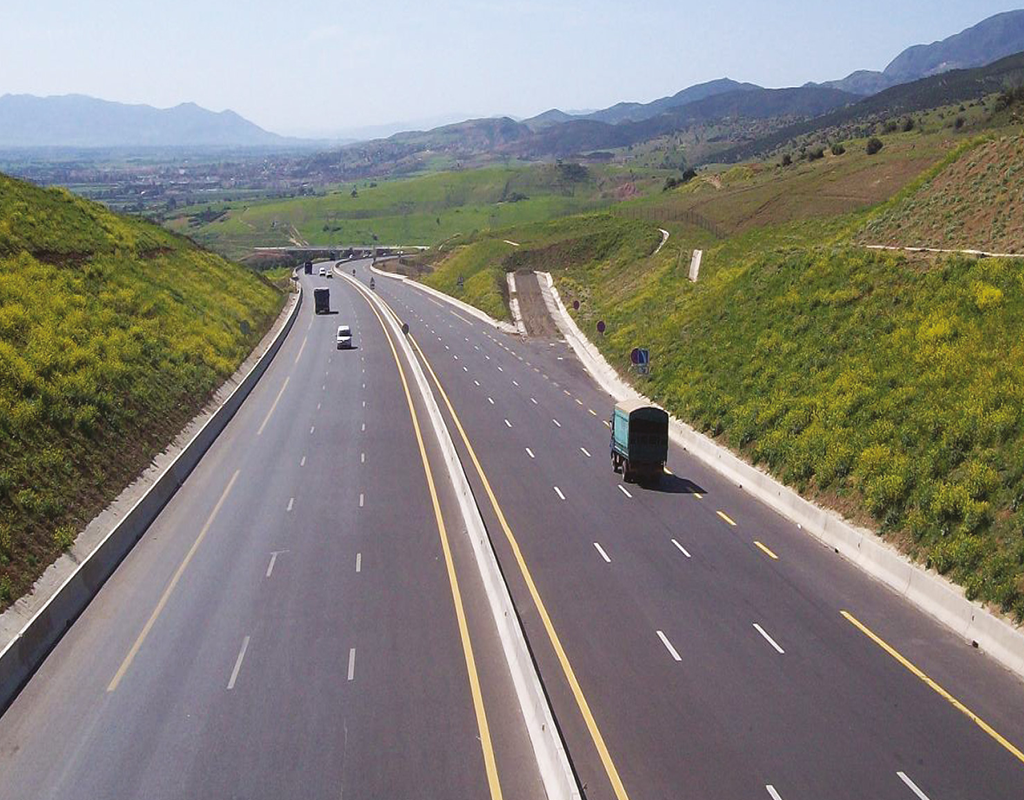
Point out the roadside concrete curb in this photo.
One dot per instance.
(466, 308)
(552, 759)
(933, 594)
(943, 251)
(29, 647)
(513, 303)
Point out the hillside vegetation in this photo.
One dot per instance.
(414, 211)
(113, 334)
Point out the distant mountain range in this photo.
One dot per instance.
(990, 40)
(76, 121)
(79, 121)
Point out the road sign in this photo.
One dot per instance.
(600, 327)
(640, 357)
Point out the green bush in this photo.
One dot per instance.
(874, 145)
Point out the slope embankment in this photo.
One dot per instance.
(113, 335)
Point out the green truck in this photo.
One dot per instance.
(639, 445)
(322, 300)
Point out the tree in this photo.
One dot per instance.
(838, 149)
(908, 124)
(874, 145)
(689, 174)
(787, 160)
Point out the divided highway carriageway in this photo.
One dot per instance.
(306, 619)
(694, 643)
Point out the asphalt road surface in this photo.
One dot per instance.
(695, 644)
(287, 626)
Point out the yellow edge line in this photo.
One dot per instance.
(726, 517)
(767, 552)
(935, 687)
(170, 588)
(570, 675)
(467, 646)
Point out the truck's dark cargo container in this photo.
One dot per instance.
(639, 445)
(308, 267)
(322, 301)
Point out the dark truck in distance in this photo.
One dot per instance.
(639, 446)
(322, 300)
(308, 266)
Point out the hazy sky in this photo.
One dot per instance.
(298, 66)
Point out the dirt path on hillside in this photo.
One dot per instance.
(535, 314)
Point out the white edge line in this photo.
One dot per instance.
(604, 555)
(351, 663)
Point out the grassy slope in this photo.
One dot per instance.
(113, 334)
(891, 389)
(978, 203)
(422, 210)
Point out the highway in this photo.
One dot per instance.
(288, 626)
(694, 643)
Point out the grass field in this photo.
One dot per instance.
(113, 334)
(423, 210)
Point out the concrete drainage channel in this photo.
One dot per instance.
(24, 653)
(928, 591)
(553, 761)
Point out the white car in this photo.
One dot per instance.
(323, 272)
(330, 274)
(344, 337)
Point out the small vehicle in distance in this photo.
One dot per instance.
(308, 267)
(330, 274)
(639, 444)
(344, 337)
(372, 284)
(323, 272)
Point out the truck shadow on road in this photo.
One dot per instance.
(673, 484)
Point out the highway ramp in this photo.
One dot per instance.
(286, 627)
(694, 643)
